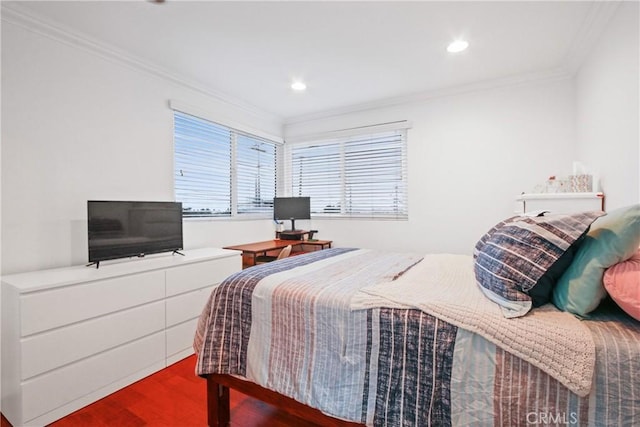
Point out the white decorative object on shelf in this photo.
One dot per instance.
(581, 183)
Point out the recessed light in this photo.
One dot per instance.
(457, 46)
(298, 86)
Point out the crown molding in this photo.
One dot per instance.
(591, 29)
(13, 14)
(504, 82)
(594, 24)
(589, 33)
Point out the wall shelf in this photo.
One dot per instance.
(559, 202)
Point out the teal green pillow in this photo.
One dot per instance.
(612, 239)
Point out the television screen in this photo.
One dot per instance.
(119, 229)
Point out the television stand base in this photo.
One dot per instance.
(142, 255)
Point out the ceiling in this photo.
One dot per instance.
(350, 54)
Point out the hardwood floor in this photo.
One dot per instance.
(173, 397)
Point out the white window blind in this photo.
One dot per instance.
(256, 175)
(357, 176)
(221, 172)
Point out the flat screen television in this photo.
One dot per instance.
(120, 229)
(291, 208)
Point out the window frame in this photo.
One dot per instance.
(343, 140)
(234, 172)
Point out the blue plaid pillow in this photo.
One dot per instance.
(483, 240)
(526, 256)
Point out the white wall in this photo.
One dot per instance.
(77, 126)
(607, 105)
(469, 156)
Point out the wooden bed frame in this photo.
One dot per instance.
(219, 413)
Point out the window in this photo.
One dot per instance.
(222, 172)
(357, 176)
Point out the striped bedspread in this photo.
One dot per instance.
(444, 285)
(288, 326)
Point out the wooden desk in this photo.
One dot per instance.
(324, 244)
(251, 250)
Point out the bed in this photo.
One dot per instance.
(319, 335)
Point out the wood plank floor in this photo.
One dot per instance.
(172, 397)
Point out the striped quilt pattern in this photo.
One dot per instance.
(307, 344)
(414, 369)
(501, 389)
(615, 400)
(225, 323)
(517, 390)
(393, 366)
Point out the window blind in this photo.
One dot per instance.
(256, 175)
(358, 176)
(221, 172)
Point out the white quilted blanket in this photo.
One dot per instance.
(444, 286)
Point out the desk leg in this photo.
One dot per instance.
(248, 259)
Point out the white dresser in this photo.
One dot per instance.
(71, 336)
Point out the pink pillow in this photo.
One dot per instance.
(622, 281)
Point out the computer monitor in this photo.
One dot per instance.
(291, 208)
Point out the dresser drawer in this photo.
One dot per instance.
(180, 337)
(44, 310)
(56, 388)
(72, 335)
(198, 275)
(43, 352)
(187, 306)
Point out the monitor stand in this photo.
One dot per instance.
(292, 234)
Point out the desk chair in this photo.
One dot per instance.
(285, 252)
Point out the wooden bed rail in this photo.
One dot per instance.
(219, 413)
